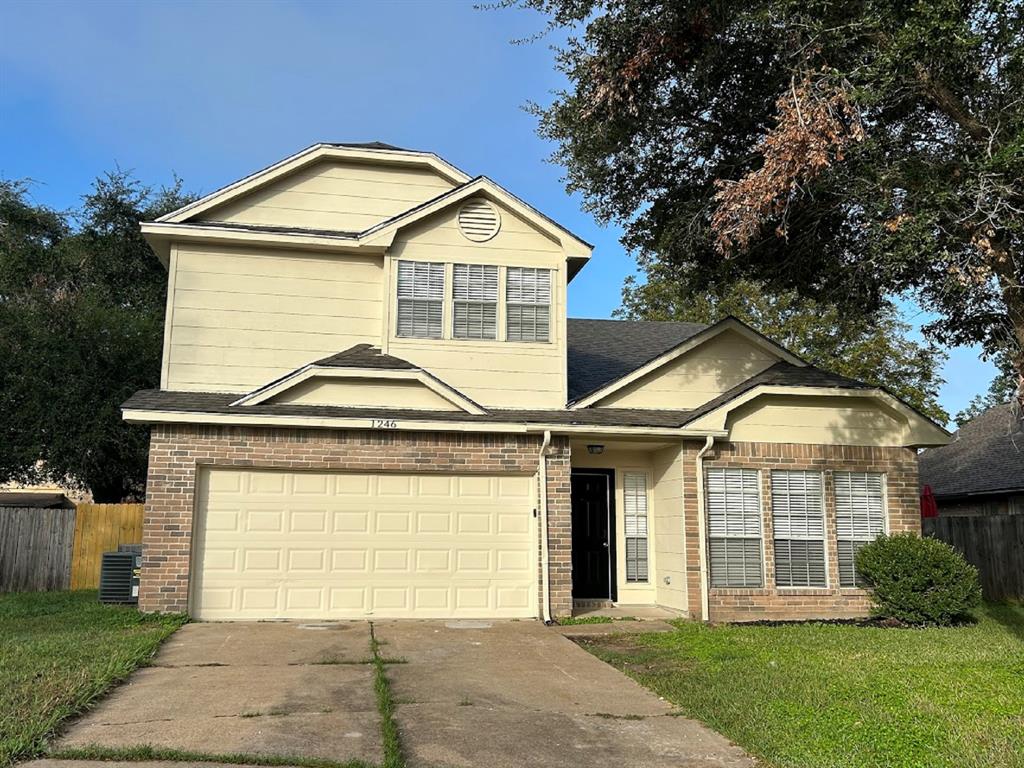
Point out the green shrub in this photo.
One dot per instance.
(918, 580)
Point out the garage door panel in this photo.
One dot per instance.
(273, 544)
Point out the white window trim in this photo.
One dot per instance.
(647, 538)
(550, 304)
(498, 314)
(445, 301)
(824, 538)
(885, 523)
(761, 513)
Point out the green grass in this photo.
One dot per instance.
(842, 695)
(145, 753)
(390, 743)
(58, 652)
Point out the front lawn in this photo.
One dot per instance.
(58, 652)
(824, 695)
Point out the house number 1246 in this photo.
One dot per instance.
(384, 423)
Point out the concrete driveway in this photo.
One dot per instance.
(468, 694)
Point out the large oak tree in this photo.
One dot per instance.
(847, 150)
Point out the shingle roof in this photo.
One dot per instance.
(370, 145)
(366, 356)
(601, 351)
(219, 402)
(985, 457)
(279, 230)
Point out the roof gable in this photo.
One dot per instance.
(374, 153)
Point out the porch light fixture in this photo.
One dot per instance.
(595, 449)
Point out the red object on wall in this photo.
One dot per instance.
(929, 508)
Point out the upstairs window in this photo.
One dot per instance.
(733, 498)
(420, 299)
(860, 518)
(634, 492)
(798, 518)
(528, 304)
(475, 301)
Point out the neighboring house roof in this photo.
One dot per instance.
(35, 500)
(219, 402)
(601, 351)
(985, 457)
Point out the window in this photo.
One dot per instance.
(860, 518)
(798, 518)
(734, 527)
(528, 304)
(634, 491)
(420, 299)
(475, 296)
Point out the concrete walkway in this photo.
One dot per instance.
(468, 694)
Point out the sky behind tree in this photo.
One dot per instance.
(212, 91)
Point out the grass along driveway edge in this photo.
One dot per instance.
(823, 695)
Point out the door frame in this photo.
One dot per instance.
(609, 476)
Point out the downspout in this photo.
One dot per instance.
(542, 481)
(701, 529)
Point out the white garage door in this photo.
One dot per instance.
(320, 545)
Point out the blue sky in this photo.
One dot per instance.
(214, 90)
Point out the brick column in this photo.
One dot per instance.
(559, 527)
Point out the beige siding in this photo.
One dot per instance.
(493, 373)
(668, 528)
(333, 194)
(365, 393)
(243, 317)
(697, 376)
(816, 420)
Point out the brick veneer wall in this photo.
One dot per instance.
(177, 451)
(898, 464)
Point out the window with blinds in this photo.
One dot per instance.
(733, 499)
(528, 304)
(798, 520)
(634, 492)
(475, 301)
(420, 299)
(860, 518)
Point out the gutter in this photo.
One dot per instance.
(701, 529)
(542, 481)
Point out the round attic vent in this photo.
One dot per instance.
(479, 220)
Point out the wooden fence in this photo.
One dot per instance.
(101, 528)
(53, 549)
(35, 549)
(992, 543)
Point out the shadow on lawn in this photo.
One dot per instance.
(1010, 615)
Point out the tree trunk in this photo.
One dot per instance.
(1010, 285)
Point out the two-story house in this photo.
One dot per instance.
(373, 405)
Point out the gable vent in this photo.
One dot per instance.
(479, 220)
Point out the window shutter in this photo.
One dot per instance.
(860, 518)
(733, 500)
(798, 520)
(475, 295)
(528, 304)
(634, 493)
(420, 299)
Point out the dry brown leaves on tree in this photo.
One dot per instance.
(817, 121)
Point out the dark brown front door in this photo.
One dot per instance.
(592, 535)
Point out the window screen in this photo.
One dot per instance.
(528, 304)
(733, 499)
(860, 518)
(798, 519)
(475, 297)
(420, 299)
(634, 493)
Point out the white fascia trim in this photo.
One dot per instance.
(729, 324)
(574, 247)
(917, 429)
(142, 416)
(311, 155)
(439, 388)
(210, 232)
